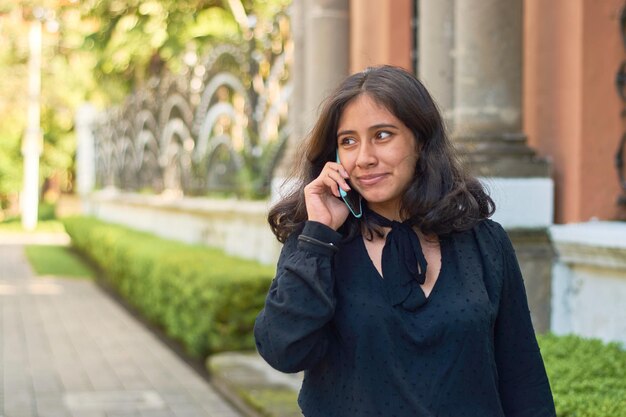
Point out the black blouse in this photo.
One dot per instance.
(469, 351)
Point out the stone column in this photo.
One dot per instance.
(85, 154)
(436, 49)
(488, 40)
(327, 52)
(488, 89)
(32, 144)
(321, 60)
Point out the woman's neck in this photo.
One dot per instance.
(390, 211)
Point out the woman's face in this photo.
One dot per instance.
(379, 152)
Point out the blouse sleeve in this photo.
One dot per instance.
(523, 383)
(292, 331)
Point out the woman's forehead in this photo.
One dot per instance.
(363, 110)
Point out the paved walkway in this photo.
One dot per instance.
(68, 350)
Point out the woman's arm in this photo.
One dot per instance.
(524, 387)
(292, 330)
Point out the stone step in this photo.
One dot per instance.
(253, 386)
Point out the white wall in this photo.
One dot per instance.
(589, 280)
(238, 227)
(522, 203)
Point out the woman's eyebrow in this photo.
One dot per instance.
(345, 132)
(373, 127)
(382, 125)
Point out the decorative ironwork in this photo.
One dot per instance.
(620, 82)
(217, 126)
(415, 28)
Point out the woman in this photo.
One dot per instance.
(406, 300)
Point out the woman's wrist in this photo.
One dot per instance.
(319, 237)
(311, 240)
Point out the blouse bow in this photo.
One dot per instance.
(403, 263)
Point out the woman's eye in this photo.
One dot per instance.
(346, 140)
(383, 134)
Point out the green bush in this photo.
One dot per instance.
(46, 211)
(588, 378)
(198, 295)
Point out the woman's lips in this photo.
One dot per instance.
(371, 179)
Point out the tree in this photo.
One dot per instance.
(101, 50)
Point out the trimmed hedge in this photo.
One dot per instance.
(198, 295)
(587, 377)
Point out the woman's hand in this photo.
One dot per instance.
(321, 196)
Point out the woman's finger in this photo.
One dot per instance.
(335, 174)
(321, 196)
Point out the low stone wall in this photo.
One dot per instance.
(536, 257)
(589, 280)
(238, 227)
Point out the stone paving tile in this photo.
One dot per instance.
(62, 342)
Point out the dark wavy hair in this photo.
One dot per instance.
(442, 198)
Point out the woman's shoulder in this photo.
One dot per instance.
(489, 235)
(490, 228)
(492, 239)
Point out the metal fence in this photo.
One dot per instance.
(217, 126)
(620, 80)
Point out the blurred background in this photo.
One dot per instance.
(156, 134)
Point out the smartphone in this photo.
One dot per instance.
(352, 198)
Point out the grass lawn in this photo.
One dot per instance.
(46, 226)
(57, 260)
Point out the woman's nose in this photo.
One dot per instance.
(366, 157)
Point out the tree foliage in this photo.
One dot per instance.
(98, 51)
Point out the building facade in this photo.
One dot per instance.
(528, 92)
(532, 94)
